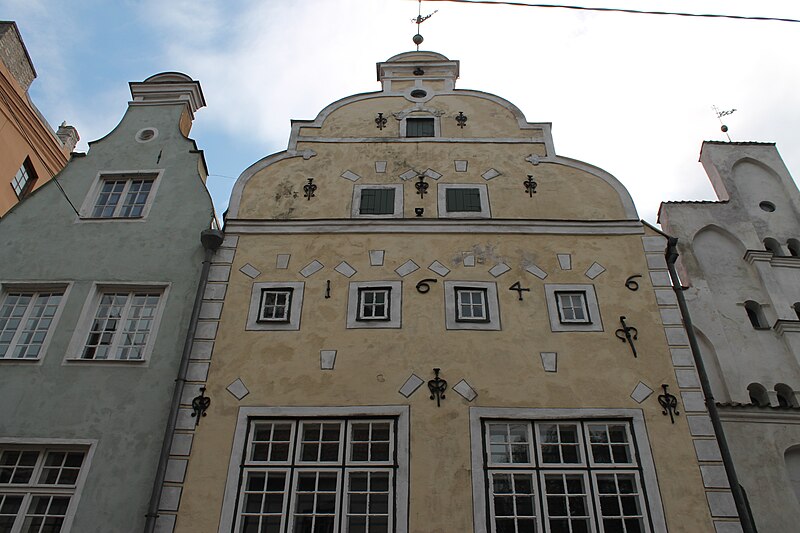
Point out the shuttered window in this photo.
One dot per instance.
(419, 127)
(377, 202)
(463, 199)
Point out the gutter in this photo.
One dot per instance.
(739, 497)
(211, 240)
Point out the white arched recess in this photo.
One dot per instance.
(545, 127)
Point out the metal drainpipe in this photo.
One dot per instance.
(211, 240)
(746, 520)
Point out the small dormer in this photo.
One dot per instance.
(417, 70)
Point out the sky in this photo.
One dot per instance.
(631, 94)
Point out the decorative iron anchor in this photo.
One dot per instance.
(669, 403)
(421, 186)
(461, 119)
(309, 188)
(380, 121)
(437, 387)
(530, 186)
(624, 334)
(200, 404)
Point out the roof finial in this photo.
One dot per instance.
(721, 114)
(419, 20)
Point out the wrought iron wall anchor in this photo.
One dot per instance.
(200, 404)
(530, 186)
(461, 118)
(517, 287)
(624, 334)
(309, 188)
(421, 186)
(437, 387)
(328, 289)
(419, 211)
(380, 121)
(669, 403)
(631, 283)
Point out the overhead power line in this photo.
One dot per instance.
(619, 10)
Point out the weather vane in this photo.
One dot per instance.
(419, 20)
(721, 114)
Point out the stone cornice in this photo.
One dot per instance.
(757, 255)
(783, 326)
(563, 227)
(788, 262)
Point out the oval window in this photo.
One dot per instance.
(418, 93)
(769, 207)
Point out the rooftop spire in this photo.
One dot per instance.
(419, 20)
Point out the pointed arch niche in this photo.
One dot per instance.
(713, 367)
(792, 459)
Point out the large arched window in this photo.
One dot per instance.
(756, 314)
(786, 396)
(758, 395)
(794, 247)
(792, 459)
(771, 245)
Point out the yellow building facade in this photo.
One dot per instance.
(424, 320)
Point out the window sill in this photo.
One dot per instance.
(19, 360)
(123, 362)
(95, 219)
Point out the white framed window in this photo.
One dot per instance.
(39, 486)
(374, 304)
(121, 195)
(573, 307)
(28, 316)
(359, 483)
(471, 305)
(275, 306)
(463, 200)
(377, 201)
(118, 323)
(426, 123)
(24, 180)
(584, 474)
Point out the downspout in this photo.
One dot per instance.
(211, 240)
(739, 498)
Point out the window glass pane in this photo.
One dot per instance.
(512, 501)
(275, 305)
(16, 466)
(368, 497)
(572, 307)
(370, 441)
(271, 442)
(315, 501)
(559, 443)
(471, 304)
(321, 441)
(263, 500)
(122, 321)
(609, 443)
(419, 127)
(377, 202)
(136, 198)
(620, 502)
(509, 443)
(107, 200)
(374, 304)
(463, 199)
(567, 502)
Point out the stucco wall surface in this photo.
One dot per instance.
(595, 369)
(122, 405)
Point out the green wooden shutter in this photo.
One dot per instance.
(463, 200)
(377, 202)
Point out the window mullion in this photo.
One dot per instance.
(119, 333)
(122, 196)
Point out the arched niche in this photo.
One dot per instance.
(755, 183)
(720, 255)
(786, 396)
(772, 245)
(758, 394)
(794, 247)
(713, 367)
(792, 459)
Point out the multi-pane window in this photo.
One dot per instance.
(122, 325)
(572, 307)
(374, 303)
(461, 199)
(36, 486)
(377, 201)
(471, 305)
(275, 305)
(318, 476)
(420, 127)
(122, 198)
(563, 476)
(25, 320)
(24, 179)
